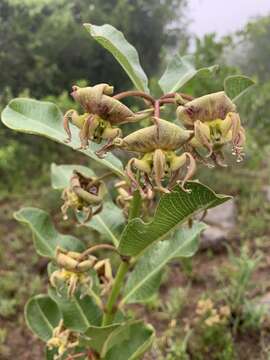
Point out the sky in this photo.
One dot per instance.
(224, 16)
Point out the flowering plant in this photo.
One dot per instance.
(144, 210)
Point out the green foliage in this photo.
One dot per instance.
(77, 313)
(127, 56)
(235, 86)
(173, 209)
(114, 341)
(46, 238)
(42, 316)
(146, 276)
(179, 71)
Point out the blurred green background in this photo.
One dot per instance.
(44, 50)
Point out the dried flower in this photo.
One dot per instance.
(83, 194)
(62, 339)
(73, 271)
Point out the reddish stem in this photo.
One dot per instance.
(172, 95)
(157, 109)
(135, 93)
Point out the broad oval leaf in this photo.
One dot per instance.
(45, 118)
(46, 238)
(78, 314)
(179, 71)
(42, 316)
(61, 174)
(144, 280)
(115, 42)
(172, 210)
(108, 221)
(236, 85)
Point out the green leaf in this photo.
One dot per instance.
(78, 314)
(235, 86)
(120, 341)
(95, 336)
(132, 348)
(179, 71)
(172, 210)
(144, 280)
(108, 221)
(45, 118)
(61, 174)
(46, 238)
(115, 42)
(42, 316)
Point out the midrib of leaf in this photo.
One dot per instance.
(44, 317)
(156, 270)
(107, 229)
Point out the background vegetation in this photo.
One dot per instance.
(43, 51)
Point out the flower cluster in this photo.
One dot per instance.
(73, 272)
(166, 152)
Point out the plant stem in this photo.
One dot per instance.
(123, 268)
(135, 93)
(117, 285)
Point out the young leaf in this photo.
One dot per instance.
(236, 85)
(173, 209)
(144, 280)
(42, 316)
(61, 174)
(46, 238)
(45, 118)
(115, 42)
(78, 314)
(179, 71)
(108, 221)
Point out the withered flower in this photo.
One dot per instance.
(73, 271)
(63, 340)
(158, 158)
(215, 122)
(125, 195)
(83, 194)
(104, 272)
